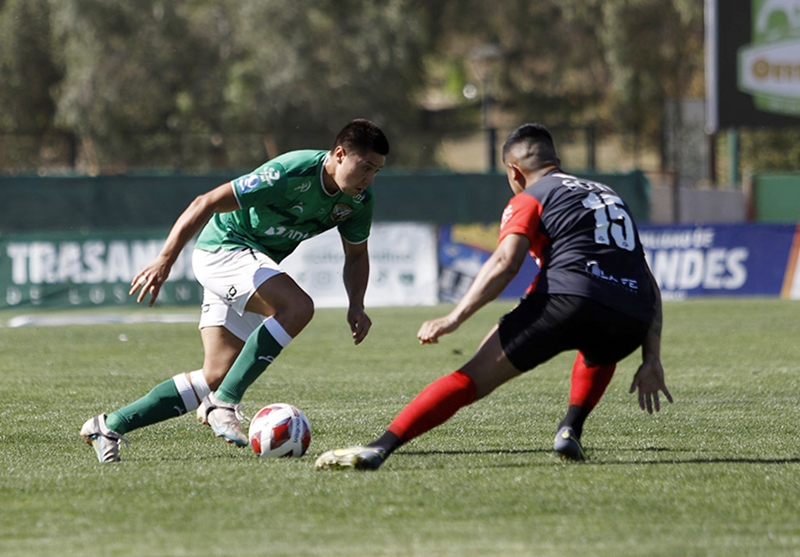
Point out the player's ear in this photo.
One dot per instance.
(516, 178)
(339, 153)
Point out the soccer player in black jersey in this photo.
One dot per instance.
(594, 293)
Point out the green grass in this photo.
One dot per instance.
(716, 473)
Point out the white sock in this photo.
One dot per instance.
(277, 331)
(192, 387)
(199, 384)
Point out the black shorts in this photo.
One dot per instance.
(544, 325)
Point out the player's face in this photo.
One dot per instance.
(356, 172)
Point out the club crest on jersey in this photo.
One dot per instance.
(247, 183)
(340, 212)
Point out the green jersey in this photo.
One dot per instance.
(284, 202)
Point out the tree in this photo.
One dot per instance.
(132, 73)
(305, 67)
(223, 84)
(27, 76)
(27, 71)
(138, 77)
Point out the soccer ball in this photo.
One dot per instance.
(279, 430)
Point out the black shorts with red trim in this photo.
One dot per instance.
(544, 325)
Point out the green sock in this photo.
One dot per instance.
(259, 351)
(162, 403)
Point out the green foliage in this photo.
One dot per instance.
(769, 150)
(714, 474)
(646, 63)
(136, 69)
(27, 68)
(306, 67)
(137, 75)
(224, 84)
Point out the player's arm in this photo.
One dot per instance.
(492, 279)
(649, 378)
(150, 279)
(356, 277)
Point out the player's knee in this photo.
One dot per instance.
(296, 313)
(306, 309)
(302, 308)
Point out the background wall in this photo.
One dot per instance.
(135, 202)
(776, 198)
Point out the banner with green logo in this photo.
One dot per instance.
(752, 63)
(78, 270)
(769, 67)
(60, 270)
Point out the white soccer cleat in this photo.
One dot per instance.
(359, 458)
(105, 442)
(202, 412)
(225, 420)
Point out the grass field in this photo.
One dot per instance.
(716, 473)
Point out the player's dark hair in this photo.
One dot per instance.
(363, 137)
(535, 146)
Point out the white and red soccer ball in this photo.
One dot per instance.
(279, 430)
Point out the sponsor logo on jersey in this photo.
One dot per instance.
(359, 198)
(340, 212)
(507, 214)
(247, 183)
(298, 208)
(593, 268)
(292, 234)
(269, 176)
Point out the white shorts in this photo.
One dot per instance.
(229, 279)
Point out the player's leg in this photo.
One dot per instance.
(247, 284)
(433, 406)
(287, 310)
(223, 337)
(524, 338)
(171, 398)
(185, 391)
(220, 349)
(440, 400)
(604, 337)
(589, 382)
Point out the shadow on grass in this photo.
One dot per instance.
(597, 462)
(474, 453)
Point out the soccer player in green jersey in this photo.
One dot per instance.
(251, 308)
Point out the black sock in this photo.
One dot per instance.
(575, 417)
(388, 441)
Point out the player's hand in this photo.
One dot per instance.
(360, 324)
(430, 331)
(649, 380)
(149, 281)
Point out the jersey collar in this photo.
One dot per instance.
(322, 177)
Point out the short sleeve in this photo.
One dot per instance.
(521, 216)
(265, 183)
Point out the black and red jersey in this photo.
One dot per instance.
(584, 241)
